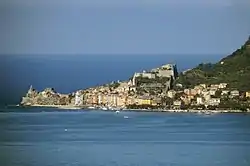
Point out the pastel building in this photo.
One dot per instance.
(200, 101)
(248, 94)
(78, 98)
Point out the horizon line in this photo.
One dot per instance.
(110, 54)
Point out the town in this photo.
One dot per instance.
(148, 90)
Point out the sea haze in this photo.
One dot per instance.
(67, 73)
(46, 137)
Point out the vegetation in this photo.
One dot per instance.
(233, 69)
(235, 104)
(167, 101)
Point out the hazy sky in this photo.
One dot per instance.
(123, 26)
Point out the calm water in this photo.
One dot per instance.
(46, 137)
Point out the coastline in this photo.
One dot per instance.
(72, 107)
(53, 106)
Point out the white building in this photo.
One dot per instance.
(99, 99)
(78, 98)
(207, 97)
(212, 92)
(145, 75)
(225, 92)
(222, 85)
(203, 85)
(171, 93)
(199, 101)
(234, 93)
(214, 101)
(177, 103)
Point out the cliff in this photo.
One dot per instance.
(233, 69)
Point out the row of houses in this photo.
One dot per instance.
(205, 95)
(121, 97)
(120, 100)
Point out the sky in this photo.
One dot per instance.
(123, 26)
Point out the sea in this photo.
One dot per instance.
(50, 137)
(54, 137)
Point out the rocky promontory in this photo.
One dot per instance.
(47, 97)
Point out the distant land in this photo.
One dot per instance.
(220, 87)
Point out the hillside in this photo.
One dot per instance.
(233, 69)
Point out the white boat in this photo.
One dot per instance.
(104, 108)
(125, 117)
(207, 113)
(111, 108)
(117, 112)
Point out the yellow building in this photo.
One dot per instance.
(156, 101)
(248, 94)
(144, 101)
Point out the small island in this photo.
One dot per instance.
(220, 87)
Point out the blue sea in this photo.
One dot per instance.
(49, 137)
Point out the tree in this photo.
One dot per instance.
(211, 107)
(178, 96)
(218, 94)
(167, 101)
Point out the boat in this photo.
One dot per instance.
(111, 108)
(104, 108)
(207, 113)
(125, 117)
(117, 112)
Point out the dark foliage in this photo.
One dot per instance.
(233, 69)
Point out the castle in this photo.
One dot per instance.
(165, 71)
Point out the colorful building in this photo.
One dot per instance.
(144, 100)
(248, 94)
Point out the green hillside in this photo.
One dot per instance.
(233, 69)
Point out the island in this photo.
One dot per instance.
(220, 87)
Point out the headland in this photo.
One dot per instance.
(215, 88)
